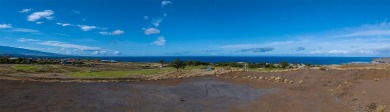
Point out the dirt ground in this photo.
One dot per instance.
(351, 90)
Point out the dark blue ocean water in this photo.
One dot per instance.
(268, 59)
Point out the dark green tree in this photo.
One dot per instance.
(162, 62)
(178, 64)
(284, 64)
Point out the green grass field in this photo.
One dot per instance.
(125, 73)
(26, 67)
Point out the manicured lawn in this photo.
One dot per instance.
(120, 73)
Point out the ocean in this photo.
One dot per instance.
(266, 59)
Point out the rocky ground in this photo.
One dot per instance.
(348, 88)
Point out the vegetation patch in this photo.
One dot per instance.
(125, 73)
(26, 67)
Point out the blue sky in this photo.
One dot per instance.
(198, 27)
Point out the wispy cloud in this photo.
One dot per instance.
(210, 51)
(25, 30)
(62, 45)
(99, 52)
(150, 31)
(62, 34)
(165, 3)
(25, 10)
(4, 26)
(27, 40)
(39, 15)
(67, 45)
(256, 50)
(299, 49)
(160, 41)
(76, 11)
(178, 53)
(368, 30)
(343, 52)
(116, 32)
(64, 24)
(117, 53)
(156, 22)
(39, 22)
(86, 27)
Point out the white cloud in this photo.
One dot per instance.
(117, 53)
(146, 17)
(39, 22)
(4, 26)
(105, 33)
(367, 30)
(76, 11)
(25, 10)
(156, 22)
(367, 33)
(165, 2)
(344, 52)
(100, 53)
(151, 31)
(62, 34)
(64, 24)
(338, 52)
(160, 41)
(27, 40)
(24, 30)
(66, 45)
(86, 27)
(39, 15)
(116, 32)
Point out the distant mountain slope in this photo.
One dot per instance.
(12, 51)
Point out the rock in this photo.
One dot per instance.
(285, 80)
(376, 79)
(278, 78)
(291, 82)
(301, 82)
(272, 77)
(363, 93)
(261, 78)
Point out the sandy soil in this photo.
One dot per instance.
(294, 91)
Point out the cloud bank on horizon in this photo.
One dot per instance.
(198, 28)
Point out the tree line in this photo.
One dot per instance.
(182, 64)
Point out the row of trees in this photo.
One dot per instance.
(231, 64)
(283, 64)
(9, 60)
(182, 64)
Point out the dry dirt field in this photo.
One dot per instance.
(338, 89)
